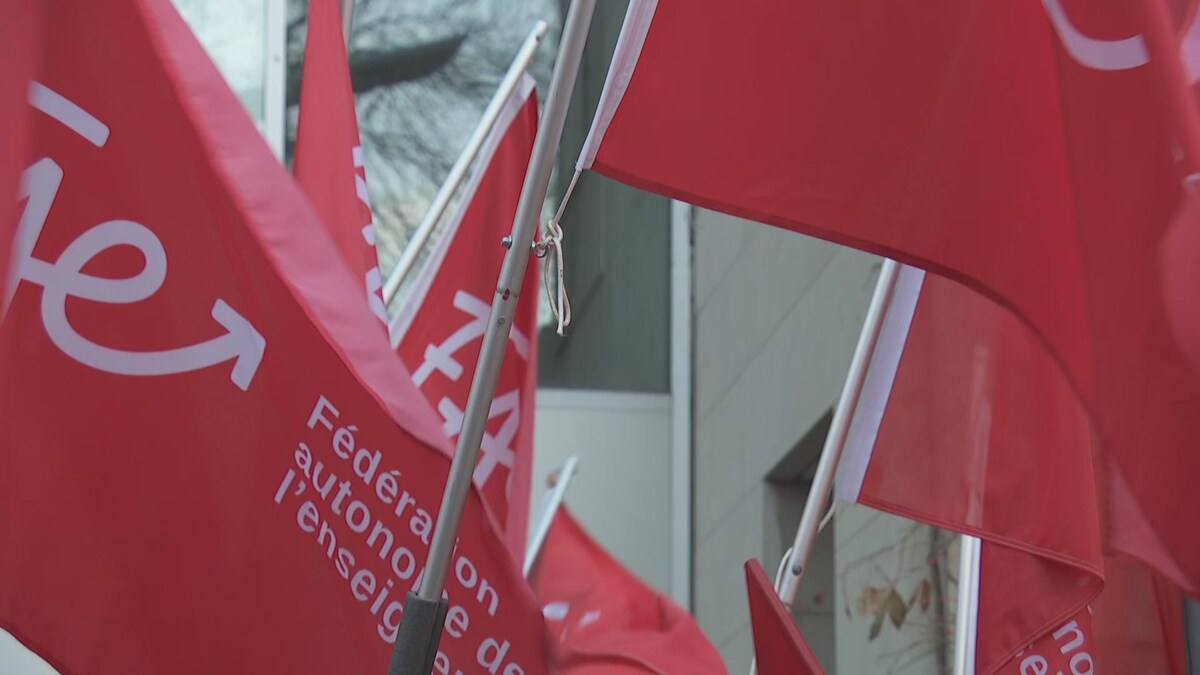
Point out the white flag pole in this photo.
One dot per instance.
(787, 582)
(459, 171)
(554, 499)
(425, 611)
(347, 21)
(966, 619)
(835, 441)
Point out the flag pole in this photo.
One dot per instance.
(425, 611)
(835, 441)
(966, 619)
(347, 7)
(459, 171)
(554, 500)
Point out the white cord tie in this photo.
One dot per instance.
(552, 243)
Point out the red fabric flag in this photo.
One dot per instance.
(1180, 248)
(1137, 623)
(211, 463)
(439, 330)
(779, 648)
(329, 159)
(1018, 147)
(1134, 627)
(20, 52)
(1070, 648)
(1180, 251)
(960, 393)
(606, 620)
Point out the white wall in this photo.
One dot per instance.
(621, 493)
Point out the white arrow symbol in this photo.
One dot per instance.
(63, 278)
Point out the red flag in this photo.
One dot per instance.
(972, 399)
(961, 393)
(1180, 246)
(1180, 251)
(1018, 147)
(608, 621)
(1137, 623)
(329, 159)
(211, 464)
(779, 648)
(1069, 648)
(20, 52)
(439, 331)
(1134, 627)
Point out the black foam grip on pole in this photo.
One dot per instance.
(418, 636)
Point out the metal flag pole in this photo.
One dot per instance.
(459, 171)
(966, 619)
(554, 499)
(347, 21)
(835, 441)
(425, 610)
